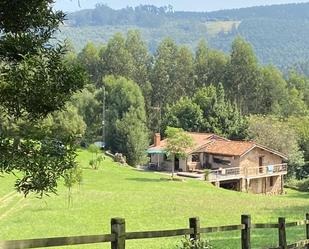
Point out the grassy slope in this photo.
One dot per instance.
(147, 202)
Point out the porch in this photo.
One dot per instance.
(247, 173)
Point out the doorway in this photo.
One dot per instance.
(176, 163)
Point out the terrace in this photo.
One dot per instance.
(248, 173)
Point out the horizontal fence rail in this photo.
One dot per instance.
(119, 235)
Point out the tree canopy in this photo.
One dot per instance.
(35, 81)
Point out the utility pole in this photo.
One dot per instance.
(103, 119)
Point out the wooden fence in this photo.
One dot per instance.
(119, 236)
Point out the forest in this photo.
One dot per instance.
(232, 95)
(276, 32)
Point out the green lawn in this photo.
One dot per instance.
(147, 202)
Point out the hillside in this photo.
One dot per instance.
(148, 201)
(279, 33)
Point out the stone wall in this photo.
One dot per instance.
(251, 159)
(263, 185)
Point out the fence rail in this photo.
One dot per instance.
(119, 235)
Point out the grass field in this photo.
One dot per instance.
(147, 202)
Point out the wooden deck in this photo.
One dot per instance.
(248, 173)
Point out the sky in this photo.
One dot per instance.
(189, 5)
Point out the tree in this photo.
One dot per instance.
(126, 119)
(301, 126)
(141, 60)
(219, 115)
(243, 77)
(71, 177)
(184, 114)
(184, 72)
(89, 104)
(201, 64)
(94, 150)
(210, 65)
(294, 104)
(178, 143)
(277, 134)
(164, 81)
(89, 57)
(301, 83)
(35, 80)
(132, 137)
(66, 125)
(274, 92)
(116, 59)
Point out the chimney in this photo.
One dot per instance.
(157, 139)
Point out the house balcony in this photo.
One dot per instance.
(248, 173)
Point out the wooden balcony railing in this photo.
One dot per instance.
(236, 173)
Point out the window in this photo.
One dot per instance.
(261, 162)
(195, 158)
(221, 161)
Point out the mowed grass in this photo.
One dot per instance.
(148, 201)
(215, 27)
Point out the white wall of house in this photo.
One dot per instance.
(162, 162)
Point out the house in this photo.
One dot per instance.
(239, 165)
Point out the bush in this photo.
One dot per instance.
(206, 176)
(301, 185)
(188, 243)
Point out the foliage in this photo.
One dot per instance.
(206, 174)
(66, 125)
(268, 28)
(188, 243)
(243, 76)
(164, 77)
(89, 104)
(184, 114)
(35, 80)
(96, 160)
(207, 111)
(132, 137)
(300, 185)
(178, 142)
(44, 162)
(126, 127)
(277, 134)
(71, 177)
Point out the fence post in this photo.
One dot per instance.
(195, 224)
(307, 229)
(282, 233)
(118, 228)
(246, 232)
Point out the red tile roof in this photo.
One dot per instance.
(199, 140)
(228, 148)
(213, 144)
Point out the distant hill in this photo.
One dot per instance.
(279, 33)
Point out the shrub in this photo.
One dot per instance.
(206, 176)
(188, 243)
(301, 185)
